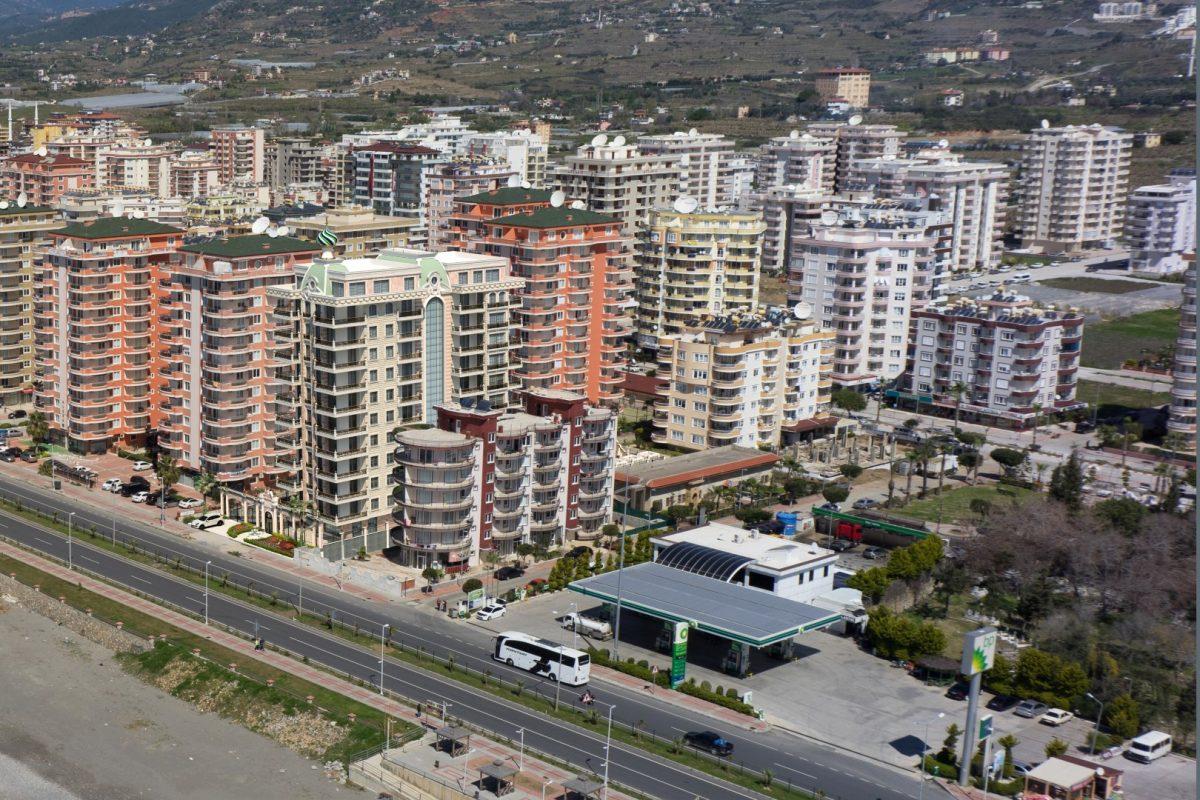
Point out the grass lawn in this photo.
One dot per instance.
(956, 503)
(1108, 344)
(1112, 398)
(1096, 285)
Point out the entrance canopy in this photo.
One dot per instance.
(730, 611)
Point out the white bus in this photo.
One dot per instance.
(542, 657)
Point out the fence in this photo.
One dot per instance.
(350, 546)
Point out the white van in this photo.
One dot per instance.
(1149, 746)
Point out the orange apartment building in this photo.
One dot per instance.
(44, 179)
(216, 352)
(240, 154)
(473, 212)
(97, 298)
(570, 323)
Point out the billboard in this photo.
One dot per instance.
(979, 651)
(678, 653)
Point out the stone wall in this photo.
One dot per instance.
(98, 631)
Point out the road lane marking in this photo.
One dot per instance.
(798, 772)
(82, 557)
(140, 579)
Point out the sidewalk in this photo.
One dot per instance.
(245, 648)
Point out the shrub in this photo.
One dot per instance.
(718, 699)
(472, 585)
(240, 528)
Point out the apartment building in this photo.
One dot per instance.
(743, 380)
(486, 480)
(974, 194)
(1009, 357)
(97, 295)
(462, 176)
(786, 211)
(367, 346)
(526, 153)
(575, 264)
(194, 174)
(90, 204)
(1161, 224)
(359, 231)
(862, 276)
(294, 162)
(854, 143)
(215, 347)
(219, 211)
(44, 179)
(240, 154)
(703, 163)
(799, 160)
(618, 179)
(24, 231)
(392, 179)
(474, 213)
(1074, 183)
(851, 84)
(1182, 418)
(145, 167)
(694, 265)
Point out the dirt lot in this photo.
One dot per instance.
(74, 725)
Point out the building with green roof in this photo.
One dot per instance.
(116, 228)
(250, 246)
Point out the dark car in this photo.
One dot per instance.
(874, 553)
(770, 526)
(8, 455)
(830, 506)
(131, 488)
(29, 456)
(20, 413)
(155, 499)
(576, 552)
(1003, 702)
(866, 502)
(1083, 426)
(712, 742)
(842, 545)
(958, 691)
(508, 573)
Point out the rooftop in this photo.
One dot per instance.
(14, 210)
(431, 437)
(551, 217)
(116, 228)
(248, 246)
(767, 551)
(508, 196)
(1058, 772)
(694, 466)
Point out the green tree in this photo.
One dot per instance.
(37, 427)
(850, 471)
(1009, 459)
(835, 493)
(677, 513)
(873, 582)
(431, 574)
(849, 400)
(1055, 748)
(958, 389)
(45, 469)
(206, 484)
(1037, 419)
(925, 452)
(970, 460)
(168, 473)
(1008, 742)
(1066, 484)
(526, 550)
(949, 751)
(1123, 513)
(471, 585)
(1122, 716)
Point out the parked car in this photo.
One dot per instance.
(1030, 709)
(140, 497)
(1084, 426)
(490, 611)
(209, 519)
(29, 456)
(958, 691)
(842, 545)
(1022, 767)
(142, 466)
(19, 413)
(8, 455)
(13, 433)
(1056, 716)
(866, 502)
(830, 506)
(112, 485)
(1002, 702)
(508, 573)
(576, 552)
(873, 553)
(711, 742)
(156, 499)
(190, 502)
(1104, 493)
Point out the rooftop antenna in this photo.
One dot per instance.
(41, 151)
(557, 199)
(118, 207)
(943, 143)
(794, 134)
(578, 205)
(35, 113)
(260, 225)
(1045, 124)
(282, 230)
(829, 217)
(685, 204)
(272, 232)
(599, 140)
(693, 132)
(526, 185)
(3, 204)
(22, 199)
(618, 141)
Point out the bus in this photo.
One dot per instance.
(543, 657)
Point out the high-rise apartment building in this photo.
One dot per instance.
(294, 162)
(1009, 356)
(141, 166)
(462, 176)
(487, 480)
(474, 213)
(526, 153)
(360, 232)
(392, 179)
(1182, 418)
(851, 84)
(1161, 224)
(1074, 182)
(786, 211)
(743, 380)
(194, 174)
(570, 325)
(367, 346)
(97, 295)
(862, 276)
(855, 143)
(24, 231)
(215, 347)
(799, 160)
(240, 154)
(693, 265)
(703, 162)
(618, 179)
(44, 179)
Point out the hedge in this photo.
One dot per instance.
(726, 698)
(717, 696)
(240, 528)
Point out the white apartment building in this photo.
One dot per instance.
(1161, 224)
(799, 160)
(691, 265)
(863, 275)
(295, 163)
(855, 143)
(618, 179)
(445, 133)
(974, 194)
(370, 345)
(146, 167)
(1182, 419)
(88, 204)
(704, 163)
(526, 153)
(743, 380)
(1011, 358)
(786, 211)
(1074, 183)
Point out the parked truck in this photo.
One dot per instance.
(587, 626)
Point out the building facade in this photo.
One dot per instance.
(704, 163)
(851, 84)
(786, 212)
(1182, 419)
(474, 213)
(743, 381)
(45, 179)
(618, 180)
(391, 179)
(693, 265)
(144, 166)
(24, 232)
(799, 160)
(360, 231)
(854, 143)
(1161, 224)
(462, 176)
(526, 153)
(240, 154)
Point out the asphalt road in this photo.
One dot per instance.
(790, 758)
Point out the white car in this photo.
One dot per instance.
(1056, 716)
(491, 611)
(140, 497)
(190, 502)
(112, 485)
(1104, 493)
(141, 466)
(209, 519)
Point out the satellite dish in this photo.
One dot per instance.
(22, 200)
(619, 141)
(794, 134)
(514, 180)
(148, 142)
(272, 232)
(599, 140)
(282, 230)
(118, 208)
(855, 120)
(829, 217)
(802, 310)
(260, 225)
(558, 198)
(136, 213)
(526, 185)
(806, 135)
(3, 204)
(578, 205)
(1045, 124)
(41, 151)
(685, 204)
(943, 143)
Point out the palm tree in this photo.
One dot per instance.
(1131, 432)
(1037, 415)
(913, 458)
(168, 473)
(37, 427)
(958, 390)
(1008, 742)
(926, 452)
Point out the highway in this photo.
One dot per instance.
(790, 758)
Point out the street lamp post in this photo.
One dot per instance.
(925, 752)
(382, 643)
(70, 549)
(545, 783)
(521, 752)
(206, 566)
(1099, 716)
(608, 750)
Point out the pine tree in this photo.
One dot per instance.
(1066, 484)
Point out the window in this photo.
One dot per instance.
(358, 289)
(410, 284)
(380, 286)
(927, 356)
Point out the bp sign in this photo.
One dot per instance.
(679, 640)
(979, 651)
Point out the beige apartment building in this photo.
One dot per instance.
(360, 231)
(1074, 183)
(704, 163)
(851, 84)
(854, 143)
(744, 380)
(240, 154)
(619, 180)
(1182, 419)
(693, 265)
(799, 160)
(23, 234)
(369, 346)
